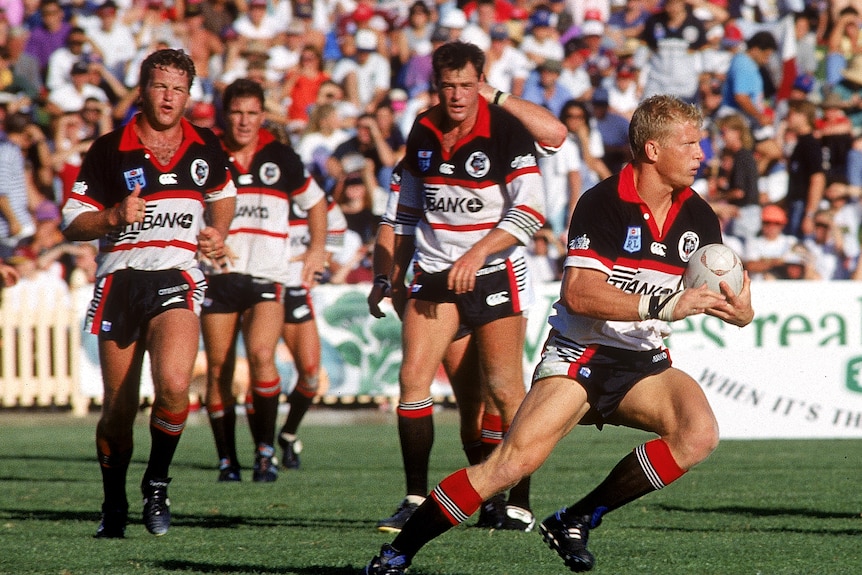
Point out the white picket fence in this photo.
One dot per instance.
(40, 340)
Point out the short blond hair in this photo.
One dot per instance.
(657, 118)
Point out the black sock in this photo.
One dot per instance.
(299, 404)
(417, 438)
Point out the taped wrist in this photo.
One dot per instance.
(382, 280)
(658, 306)
(500, 97)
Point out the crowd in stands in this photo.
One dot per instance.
(780, 83)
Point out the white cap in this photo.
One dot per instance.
(454, 18)
(592, 28)
(366, 40)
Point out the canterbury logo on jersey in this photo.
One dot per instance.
(459, 205)
(498, 298)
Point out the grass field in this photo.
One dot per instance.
(755, 507)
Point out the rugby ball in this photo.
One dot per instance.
(711, 264)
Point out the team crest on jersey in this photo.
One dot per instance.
(633, 240)
(478, 164)
(135, 176)
(269, 173)
(688, 244)
(424, 158)
(200, 171)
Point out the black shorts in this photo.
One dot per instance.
(297, 305)
(495, 296)
(606, 373)
(126, 300)
(235, 293)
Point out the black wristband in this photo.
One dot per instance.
(654, 302)
(382, 280)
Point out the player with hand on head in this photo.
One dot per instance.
(480, 421)
(604, 361)
(248, 292)
(468, 270)
(153, 193)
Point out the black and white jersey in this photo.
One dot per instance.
(176, 195)
(490, 179)
(613, 231)
(336, 227)
(260, 232)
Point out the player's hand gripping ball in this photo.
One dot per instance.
(712, 264)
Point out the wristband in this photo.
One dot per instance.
(382, 280)
(658, 307)
(500, 97)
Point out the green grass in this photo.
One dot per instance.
(755, 507)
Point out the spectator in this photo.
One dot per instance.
(368, 144)
(256, 23)
(321, 137)
(544, 255)
(577, 119)
(16, 221)
(49, 35)
(77, 49)
(744, 88)
(543, 87)
(624, 93)
(674, 36)
(478, 28)
(301, 86)
(356, 197)
(561, 176)
(542, 42)
(807, 177)
(738, 184)
(600, 61)
(614, 130)
(628, 22)
(843, 44)
(70, 97)
(765, 254)
(506, 67)
(113, 38)
(574, 75)
(846, 213)
(825, 249)
(847, 92)
(203, 46)
(372, 72)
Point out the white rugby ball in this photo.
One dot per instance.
(711, 264)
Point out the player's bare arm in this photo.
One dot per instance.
(315, 255)
(462, 275)
(92, 225)
(586, 291)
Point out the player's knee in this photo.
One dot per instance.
(700, 442)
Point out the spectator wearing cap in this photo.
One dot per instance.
(542, 41)
(49, 35)
(60, 63)
(807, 177)
(614, 130)
(70, 96)
(674, 36)
(765, 255)
(454, 21)
(574, 75)
(287, 47)
(744, 87)
(368, 76)
(846, 213)
(478, 29)
(601, 61)
(624, 92)
(257, 23)
(113, 38)
(506, 67)
(825, 248)
(543, 87)
(715, 57)
(627, 23)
